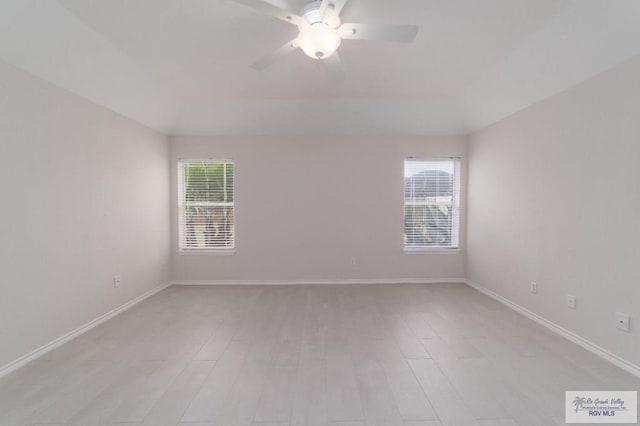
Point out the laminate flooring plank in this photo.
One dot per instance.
(146, 396)
(343, 397)
(65, 404)
(378, 402)
(448, 404)
(211, 398)
(276, 400)
(242, 401)
(522, 409)
(467, 381)
(410, 398)
(57, 393)
(102, 407)
(310, 396)
(172, 405)
(410, 344)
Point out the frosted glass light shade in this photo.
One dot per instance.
(319, 41)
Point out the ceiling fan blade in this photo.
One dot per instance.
(271, 10)
(276, 55)
(379, 32)
(334, 66)
(333, 7)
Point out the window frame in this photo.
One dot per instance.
(182, 204)
(456, 205)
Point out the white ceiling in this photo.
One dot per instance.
(182, 66)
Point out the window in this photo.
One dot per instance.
(431, 203)
(205, 204)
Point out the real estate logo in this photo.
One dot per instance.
(601, 407)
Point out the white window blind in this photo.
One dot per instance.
(206, 205)
(431, 203)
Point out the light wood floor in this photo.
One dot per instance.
(309, 355)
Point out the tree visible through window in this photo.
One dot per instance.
(206, 205)
(431, 203)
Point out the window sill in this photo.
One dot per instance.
(434, 250)
(225, 252)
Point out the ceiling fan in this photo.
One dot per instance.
(321, 32)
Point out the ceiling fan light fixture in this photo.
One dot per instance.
(321, 31)
(319, 41)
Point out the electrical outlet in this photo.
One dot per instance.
(622, 321)
(117, 279)
(571, 301)
(354, 261)
(534, 287)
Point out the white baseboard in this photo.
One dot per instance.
(322, 281)
(569, 335)
(25, 359)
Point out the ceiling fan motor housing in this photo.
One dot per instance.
(319, 37)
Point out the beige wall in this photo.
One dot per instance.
(84, 196)
(305, 206)
(554, 196)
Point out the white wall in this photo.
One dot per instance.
(84, 196)
(554, 196)
(306, 205)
